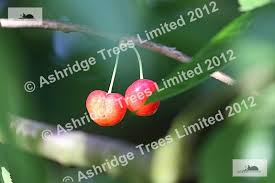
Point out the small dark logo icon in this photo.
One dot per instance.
(26, 16)
(250, 169)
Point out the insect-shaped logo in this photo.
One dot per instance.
(250, 169)
(26, 16)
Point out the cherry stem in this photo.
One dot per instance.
(113, 75)
(140, 64)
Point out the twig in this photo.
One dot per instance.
(162, 49)
(64, 27)
(179, 56)
(77, 148)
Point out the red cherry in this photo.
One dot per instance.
(138, 93)
(104, 108)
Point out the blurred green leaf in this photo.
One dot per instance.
(248, 135)
(11, 98)
(16, 160)
(170, 163)
(247, 5)
(6, 175)
(174, 162)
(215, 161)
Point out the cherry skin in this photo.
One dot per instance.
(104, 108)
(137, 94)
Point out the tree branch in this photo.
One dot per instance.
(77, 148)
(64, 27)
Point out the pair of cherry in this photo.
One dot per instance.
(108, 109)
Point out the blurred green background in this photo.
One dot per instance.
(206, 157)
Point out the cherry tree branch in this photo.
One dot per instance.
(77, 148)
(181, 57)
(64, 27)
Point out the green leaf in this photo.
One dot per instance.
(257, 24)
(248, 135)
(247, 5)
(6, 175)
(170, 163)
(221, 43)
(240, 137)
(173, 162)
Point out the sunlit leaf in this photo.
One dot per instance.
(246, 5)
(6, 175)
